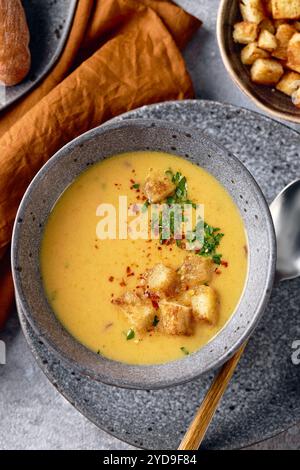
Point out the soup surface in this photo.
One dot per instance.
(86, 278)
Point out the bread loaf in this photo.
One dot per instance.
(14, 41)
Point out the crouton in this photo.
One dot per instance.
(267, 41)
(251, 52)
(139, 312)
(245, 32)
(266, 72)
(158, 186)
(184, 297)
(161, 279)
(195, 270)
(293, 53)
(205, 305)
(267, 5)
(283, 35)
(175, 319)
(267, 25)
(289, 83)
(286, 9)
(252, 10)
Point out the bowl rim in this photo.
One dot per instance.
(160, 380)
(236, 78)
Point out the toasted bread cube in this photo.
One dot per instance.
(267, 25)
(267, 41)
(267, 4)
(162, 279)
(184, 297)
(195, 270)
(251, 52)
(293, 53)
(205, 305)
(266, 72)
(283, 35)
(158, 186)
(139, 312)
(252, 10)
(175, 319)
(289, 83)
(245, 32)
(286, 9)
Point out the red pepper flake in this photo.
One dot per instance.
(128, 269)
(132, 181)
(97, 247)
(170, 249)
(122, 283)
(155, 304)
(111, 278)
(224, 263)
(159, 248)
(217, 271)
(130, 274)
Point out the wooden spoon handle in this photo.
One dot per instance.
(198, 427)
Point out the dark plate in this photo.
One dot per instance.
(263, 398)
(49, 23)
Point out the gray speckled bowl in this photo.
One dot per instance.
(63, 168)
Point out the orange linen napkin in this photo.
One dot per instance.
(125, 53)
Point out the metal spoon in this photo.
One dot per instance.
(285, 210)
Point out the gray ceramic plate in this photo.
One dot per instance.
(263, 398)
(49, 23)
(93, 147)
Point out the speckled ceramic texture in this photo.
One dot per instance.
(263, 398)
(49, 22)
(266, 97)
(93, 147)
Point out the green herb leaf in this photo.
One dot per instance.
(145, 206)
(130, 334)
(136, 186)
(185, 351)
(155, 321)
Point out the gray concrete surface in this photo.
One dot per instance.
(39, 405)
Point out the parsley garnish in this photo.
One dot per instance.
(130, 334)
(212, 235)
(185, 351)
(155, 321)
(145, 206)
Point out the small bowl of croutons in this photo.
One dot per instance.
(259, 42)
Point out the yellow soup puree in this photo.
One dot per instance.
(82, 274)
